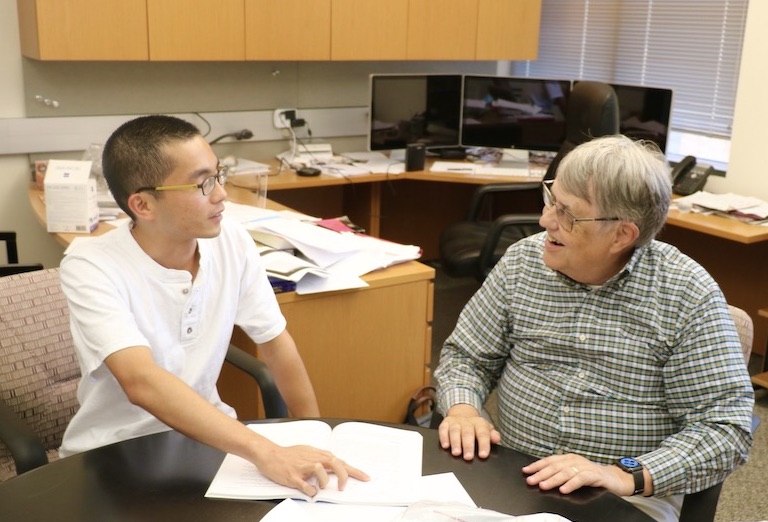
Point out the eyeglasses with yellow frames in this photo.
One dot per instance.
(206, 186)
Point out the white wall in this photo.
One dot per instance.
(746, 170)
(35, 245)
(745, 174)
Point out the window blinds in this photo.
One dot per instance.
(690, 46)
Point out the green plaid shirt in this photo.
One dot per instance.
(648, 365)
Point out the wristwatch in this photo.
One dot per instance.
(630, 465)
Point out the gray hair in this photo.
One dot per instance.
(623, 178)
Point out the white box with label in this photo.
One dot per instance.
(71, 203)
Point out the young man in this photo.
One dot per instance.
(615, 355)
(153, 305)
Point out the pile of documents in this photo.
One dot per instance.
(319, 255)
(744, 208)
(392, 457)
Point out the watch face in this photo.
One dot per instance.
(629, 462)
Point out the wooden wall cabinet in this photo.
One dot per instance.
(196, 30)
(83, 29)
(288, 30)
(293, 30)
(445, 30)
(369, 30)
(508, 28)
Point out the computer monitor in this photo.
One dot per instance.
(516, 113)
(644, 112)
(414, 108)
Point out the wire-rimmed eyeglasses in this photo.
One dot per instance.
(564, 218)
(206, 186)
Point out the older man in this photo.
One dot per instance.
(615, 355)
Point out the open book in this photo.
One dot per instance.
(390, 456)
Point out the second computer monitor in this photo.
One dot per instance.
(518, 113)
(644, 112)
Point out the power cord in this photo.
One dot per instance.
(207, 123)
(244, 134)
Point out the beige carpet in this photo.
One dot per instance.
(745, 493)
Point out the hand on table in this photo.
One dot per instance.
(463, 428)
(570, 472)
(294, 466)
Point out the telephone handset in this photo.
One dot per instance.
(688, 177)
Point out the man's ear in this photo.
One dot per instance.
(626, 236)
(142, 205)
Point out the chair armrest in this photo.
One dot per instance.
(475, 204)
(701, 506)
(484, 263)
(19, 268)
(26, 448)
(274, 405)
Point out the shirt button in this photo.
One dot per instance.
(566, 409)
(185, 291)
(189, 330)
(582, 337)
(582, 375)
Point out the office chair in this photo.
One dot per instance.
(39, 371)
(12, 256)
(702, 505)
(472, 247)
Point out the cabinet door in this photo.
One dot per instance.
(196, 30)
(369, 29)
(288, 30)
(83, 29)
(508, 30)
(442, 30)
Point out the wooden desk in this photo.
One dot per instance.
(718, 226)
(366, 350)
(165, 477)
(735, 253)
(761, 379)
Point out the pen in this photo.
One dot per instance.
(460, 169)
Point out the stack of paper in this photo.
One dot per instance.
(329, 260)
(743, 208)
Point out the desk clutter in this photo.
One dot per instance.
(318, 255)
(481, 161)
(746, 209)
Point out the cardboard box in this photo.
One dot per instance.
(71, 203)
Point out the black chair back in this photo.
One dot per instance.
(593, 111)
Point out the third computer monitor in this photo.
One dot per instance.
(644, 112)
(518, 113)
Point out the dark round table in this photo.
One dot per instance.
(165, 477)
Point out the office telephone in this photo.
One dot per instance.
(688, 177)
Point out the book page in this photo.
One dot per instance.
(392, 457)
(239, 479)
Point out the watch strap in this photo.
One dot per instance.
(630, 465)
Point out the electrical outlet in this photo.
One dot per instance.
(281, 118)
